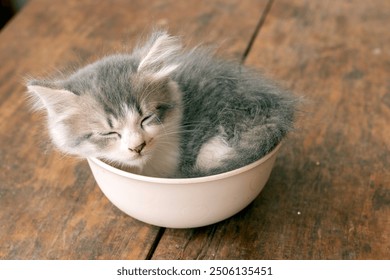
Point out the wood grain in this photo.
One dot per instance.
(50, 206)
(329, 194)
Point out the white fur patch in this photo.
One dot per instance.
(213, 153)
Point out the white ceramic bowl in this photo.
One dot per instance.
(183, 203)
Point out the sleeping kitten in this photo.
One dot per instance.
(165, 112)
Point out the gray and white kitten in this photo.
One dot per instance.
(166, 112)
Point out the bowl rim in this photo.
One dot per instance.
(175, 181)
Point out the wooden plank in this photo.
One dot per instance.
(329, 194)
(50, 206)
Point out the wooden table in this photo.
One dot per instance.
(329, 194)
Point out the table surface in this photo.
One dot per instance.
(328, 196)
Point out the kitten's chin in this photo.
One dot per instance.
(138, 163)
(132, 166)
(144, 166)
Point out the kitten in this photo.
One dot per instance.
(166, 112)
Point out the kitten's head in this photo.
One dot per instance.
(122, 108)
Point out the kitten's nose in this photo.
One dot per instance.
(139, 148)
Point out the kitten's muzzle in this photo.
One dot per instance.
(139, 148)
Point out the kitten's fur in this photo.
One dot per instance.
(165, 111)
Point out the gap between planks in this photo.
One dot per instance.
(156, 241)
(257, 30)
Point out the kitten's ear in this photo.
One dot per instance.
(157, 56)
(46, 96)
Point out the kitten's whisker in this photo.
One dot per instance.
(147, 91)
(162, 125)
(179, 132)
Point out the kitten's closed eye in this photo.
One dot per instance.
(146, 120)
(111, 133)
